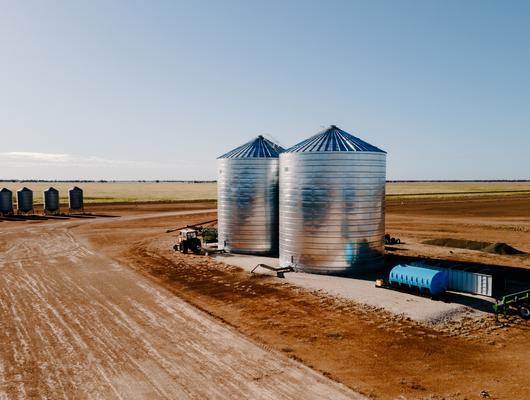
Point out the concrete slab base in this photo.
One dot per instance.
(363, 290)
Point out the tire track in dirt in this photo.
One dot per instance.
(74, 324)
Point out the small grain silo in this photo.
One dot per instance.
(24, 201)
(6, 201)
(75, 199)
(248, 198)
(332, 194)
(51, 201)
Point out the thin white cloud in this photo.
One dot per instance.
(33, 156)
(35, 159)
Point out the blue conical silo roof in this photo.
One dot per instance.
(333, 139)
(256, 148)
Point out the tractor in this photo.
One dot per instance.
(391, 240)
(189, 237)
(188, 240)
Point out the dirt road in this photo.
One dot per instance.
(75, 324)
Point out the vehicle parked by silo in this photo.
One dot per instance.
(332, 194)
(423, 280)
(51, 201)
(247, 201)
(24, 201)
(75, 199)
(6, 202)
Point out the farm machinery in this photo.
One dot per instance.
(188, 240)
(189, 237)
(391, 240)
(519, 301)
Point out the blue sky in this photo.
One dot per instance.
(159, 89)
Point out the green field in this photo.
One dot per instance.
(117, 192)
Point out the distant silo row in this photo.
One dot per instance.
(50, 197)
(331, 203)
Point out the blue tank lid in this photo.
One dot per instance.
(256, 148)
(333, 139)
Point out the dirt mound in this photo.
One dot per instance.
(502, 248)
(495, 248)
(458, 243)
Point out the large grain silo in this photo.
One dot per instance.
(248, 198)
(24, 200)
(51, 201)
(332, 193)
(75, 199)
(6, 201)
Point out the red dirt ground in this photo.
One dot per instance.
(377, 354)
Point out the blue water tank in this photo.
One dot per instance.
(421, 278)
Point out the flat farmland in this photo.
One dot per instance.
(124, 192)
(455, 189)
(161, 192)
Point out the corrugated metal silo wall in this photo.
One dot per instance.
(6, 201)
(332, 211)
(248, 205)
(51, 199)
(25, 200)
(75, 198)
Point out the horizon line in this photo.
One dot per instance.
(215, 180)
